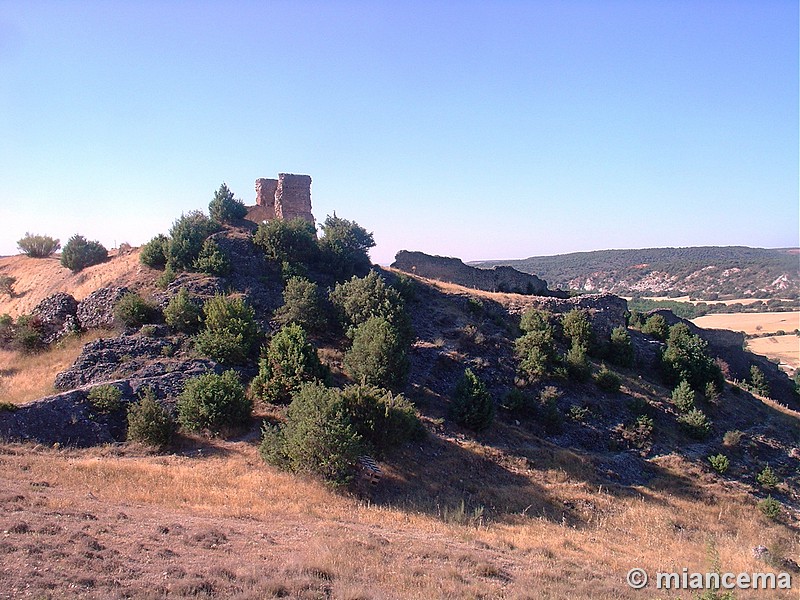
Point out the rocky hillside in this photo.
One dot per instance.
(709, 273)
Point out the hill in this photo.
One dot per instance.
(707, 272)
(589, 467)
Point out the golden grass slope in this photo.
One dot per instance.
(38, 278)
(761, 322)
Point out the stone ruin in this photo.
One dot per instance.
(287, 197)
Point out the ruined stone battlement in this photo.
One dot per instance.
(287, 197)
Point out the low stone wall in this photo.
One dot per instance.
(453, 270)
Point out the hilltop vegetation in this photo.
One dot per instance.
(250, 368)
(708, 273)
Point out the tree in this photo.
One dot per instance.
(149, 422)
(224, 208)
(302, 304)
(472, 406)
(187, 235)
(290, 361)
(345, 246)
(230, 333)
(577, 327)
(656, 326)
(212, 402)
(78, 253)
(577, 363)
(154, 253)
(134, 311)
(686, 357)
(291, 242)
(182, 314)
(758, 382)
(7, 285)
(38, 246)
(683, 397)
(378, 354)
(621, 347)
(212, 259)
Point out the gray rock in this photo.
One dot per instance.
(97, 309)
(58, 316)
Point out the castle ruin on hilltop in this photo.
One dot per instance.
(287, 197)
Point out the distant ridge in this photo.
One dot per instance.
(707, 272)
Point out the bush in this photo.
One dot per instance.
(639, 433)
(711, 393)
(134, 311)
(758, 383)
(27, 334)
(621, 347)
(656, 326)
(686, 357)
(683, 397)
(290, 361)
(154, 253)
(732, 438)
(577, 327)
(547, 409)
(767, 478)
(770, 507)
(292, 242)
(535, 352)
(212, 401)
(317, 437)
(302, 304)
(382, 419)
(378, 355)
(695, 423)
(577, 363)
(361, 298)
(149, 422)
(537, 320)
(212, 260)
(720, 463)
(38, 246)
(518, 402)
(230, 333)
(7, 285)
(224, 208)
(182, 314)
(186, 239)
(105, 398)
(578, 414)
(607, 380)
(167, 277)
(344, 246)
(472, 406)
(78, 253)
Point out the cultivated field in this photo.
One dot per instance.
(785, 348)
(763, 322)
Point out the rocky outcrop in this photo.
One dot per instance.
(97, 309)
(58, 316)
(288, 197)
(453, 270)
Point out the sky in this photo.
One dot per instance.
(486, 129)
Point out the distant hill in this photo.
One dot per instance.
(707, 272)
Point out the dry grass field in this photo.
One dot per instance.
(763, 322)
(216, 522)
(785, 348)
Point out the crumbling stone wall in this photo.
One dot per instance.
(453, 270)
(286, 198)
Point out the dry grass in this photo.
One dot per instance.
(764, 322)
(786, 348)
(26, 377)
(221, 523)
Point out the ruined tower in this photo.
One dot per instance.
(285, 198)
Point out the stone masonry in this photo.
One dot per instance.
(286, 198)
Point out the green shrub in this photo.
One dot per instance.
(472, 406)
(711, 392)
(8, 406)
(290, 361)
(212, 260)
(361, 298)
(378, 354)
(537, 320)
(154, 253)
(230, 333)
(344, 246)
(758, 383)
(149, 422)
(621, 347)
(293, 242)
(607, 380)
(577, 363)
(770, 507)
(316, 438)
(38, 246)
(767, 478)
(382, 419)
(167, 277)
(656, 326)
(7, 285)
(302, 304)
(134, 311)
(186, 237)
(224, 208)
(105, 398)
(686, 357)
(547, 411)
(695, 423)
(683, 397)
(78, 253)
(577, 327)
(578, 414)
(535, 352)
(732, 438)
(518, 402)
(27, 335)
(182, 314)
(720, 463)
(212, 402)
(639, 433)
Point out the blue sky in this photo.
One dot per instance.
(491, 129)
